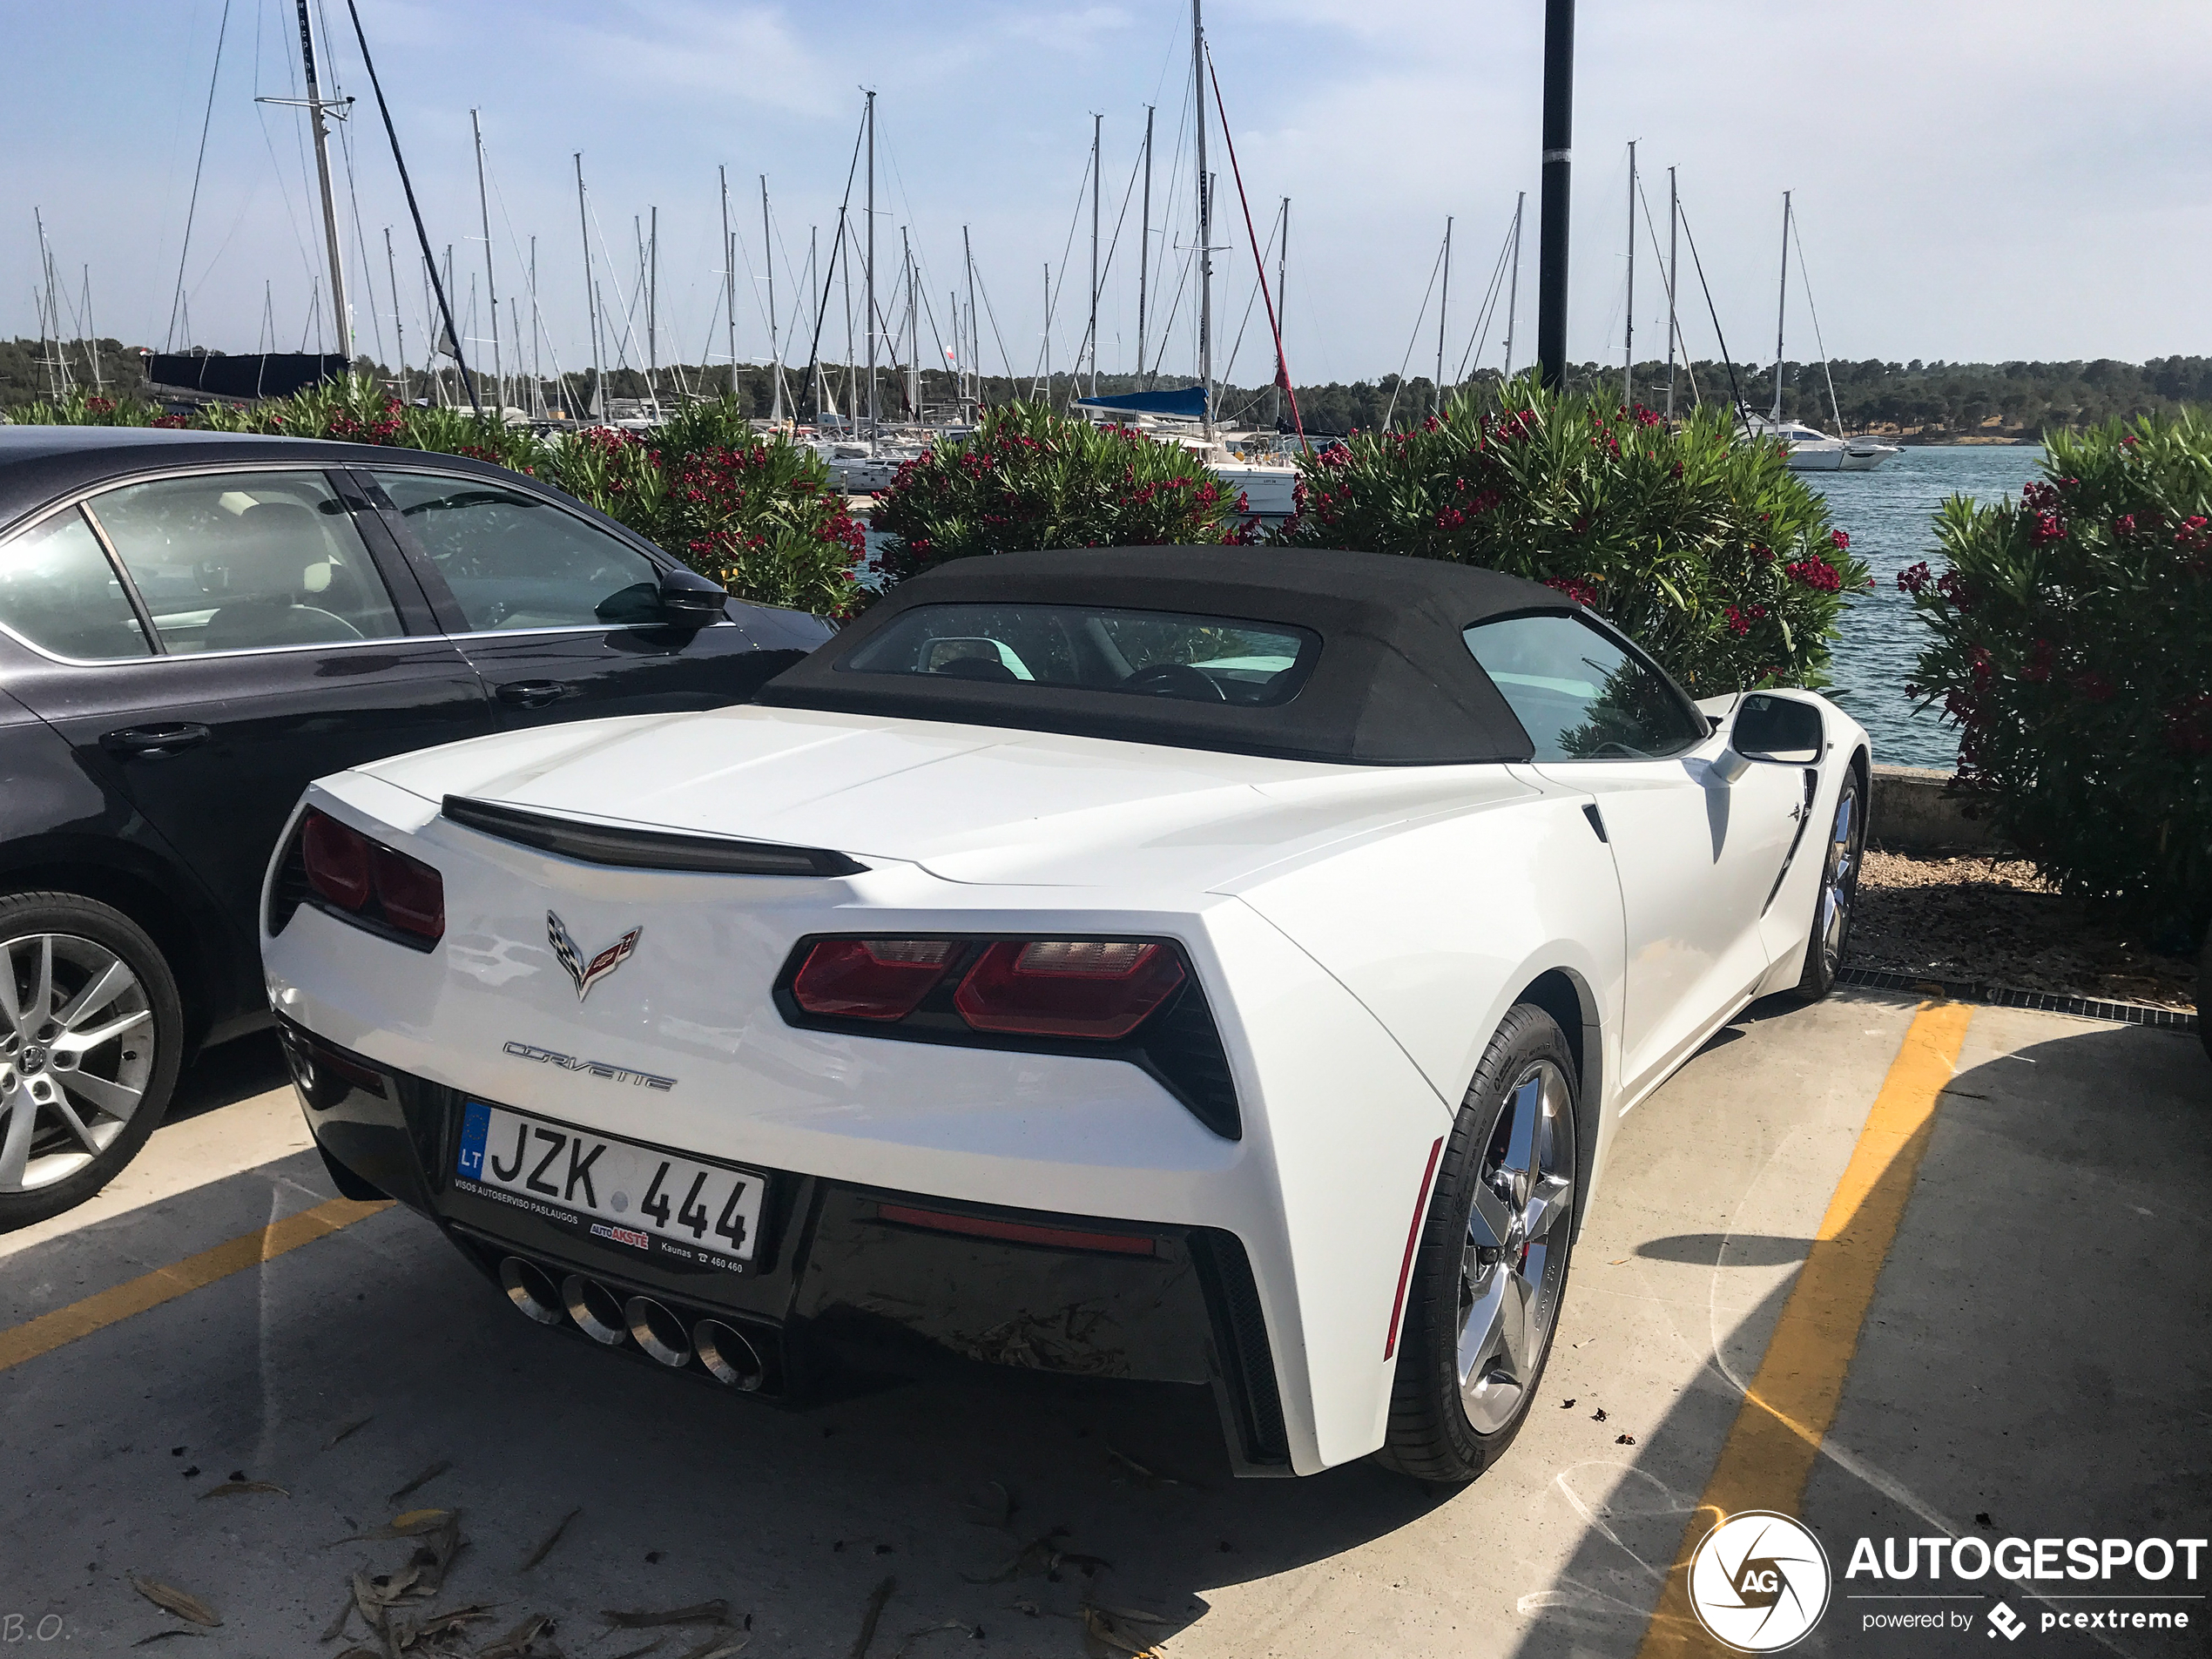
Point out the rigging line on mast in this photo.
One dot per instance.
(1813, 311)
(829, 276)
(1260, 261)
(1251, 299)
(1414, 338)
(1174, 304)
(1052, 297)
(1005, 360)
(1736, 393)
(1674, 310)
(352, 194)
(190, 211)
(1488, 314)
(261, 104)
(406, 186)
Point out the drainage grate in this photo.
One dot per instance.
(2000, 996)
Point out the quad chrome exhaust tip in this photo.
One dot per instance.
(659, 1332)
(531, 1290)
(728, 1354)
(598, 1311)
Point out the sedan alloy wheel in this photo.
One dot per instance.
(77, 1052)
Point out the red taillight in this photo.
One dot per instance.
(869, 979)
(348, 869)
(413, 894)
(1068, 988)
(1019, 1232)
(337, 860)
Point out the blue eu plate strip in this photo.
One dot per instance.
(473, 1127)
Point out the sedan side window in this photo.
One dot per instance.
(514, 561)
(59, 591)
(1579, 695)
(244, 561)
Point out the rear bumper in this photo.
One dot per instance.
(846, 1273)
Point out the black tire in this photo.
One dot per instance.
(1836, 901)
(43, 1068)
(1438, 1396)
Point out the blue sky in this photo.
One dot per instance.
(1973, 180)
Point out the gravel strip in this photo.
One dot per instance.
(1996, 922)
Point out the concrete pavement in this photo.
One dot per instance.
(2035, 1349)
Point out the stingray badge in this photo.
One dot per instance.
(587, 973)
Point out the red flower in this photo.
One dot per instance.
(1815, 573)
(1580, 592)
(1841, 539)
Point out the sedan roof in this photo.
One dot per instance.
(1394, 683)
(42, 463)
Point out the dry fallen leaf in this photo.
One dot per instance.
(238, 1489)
(336, 1627)
(717, 1648)
(1145, 1477)
(912, 1637)
(989, 1505)
(1115, 1629)
(353, 1428)
(551, 1539)
(877, 1597)
(180, 1602)
(163, 1635)
(517, 1640)
(1041, 1554)
(421, 1480)
(716, 1612)
(413, 1524)
(640, 1653)
(439, 1623)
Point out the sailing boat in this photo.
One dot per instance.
(1244, 461)
(1811, 449)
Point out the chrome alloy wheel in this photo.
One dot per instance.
(1516, 1258)
(1841, 888)
(77, 1050)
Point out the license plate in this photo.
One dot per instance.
(657, 1202)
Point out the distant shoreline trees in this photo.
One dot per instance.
(1932, 402)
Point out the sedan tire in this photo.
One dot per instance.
(1490, 1270)
(91, 1031)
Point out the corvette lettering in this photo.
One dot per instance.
(596, 1068)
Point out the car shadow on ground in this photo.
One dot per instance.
(223, 1076)
(2062, 1192)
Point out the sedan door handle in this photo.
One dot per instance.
(154, 742)
(534, 694)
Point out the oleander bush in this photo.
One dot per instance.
(1708, 552)
(757, 513)
(1031, 477)
(2071, 642)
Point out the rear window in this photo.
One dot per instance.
(1144, 653)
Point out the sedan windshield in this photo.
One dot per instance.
(1148, 653)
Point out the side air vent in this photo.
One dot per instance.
(644, 849)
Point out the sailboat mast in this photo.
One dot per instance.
(775, 341)
(1097, 127)
(874, 421)
(1282, 277)
(591, 295)
(1781, 306)
(975, 379)
(1143, 247)
(1628, 310)
(729, 278)
(913, 331)
(491, 293)
(399, 331)
(1513, 283)
(1205, 218)
(1443, 307)
(1674, 227)
(320, 128)
(652, 309)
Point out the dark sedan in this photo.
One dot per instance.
(193, 625)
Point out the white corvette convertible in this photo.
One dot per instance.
(1209, 965)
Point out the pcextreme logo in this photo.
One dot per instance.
(1759, 1581)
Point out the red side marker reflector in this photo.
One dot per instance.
(1412, 1238)
(1016, 1231)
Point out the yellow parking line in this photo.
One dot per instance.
(51, 1331)
(1769, 1454)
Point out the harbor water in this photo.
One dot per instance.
(1888, 514)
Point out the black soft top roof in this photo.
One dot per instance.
(1394, 685)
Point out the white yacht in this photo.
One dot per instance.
(1813, 450)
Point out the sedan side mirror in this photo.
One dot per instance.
(1780, 730)
(689, 600)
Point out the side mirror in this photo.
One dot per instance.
(1779, 730)
(689, 600)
